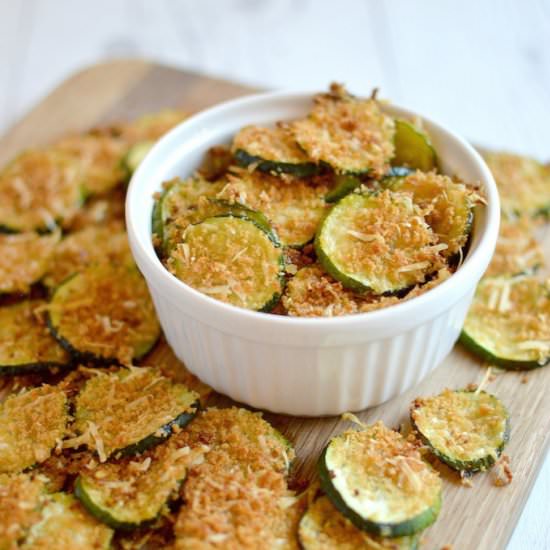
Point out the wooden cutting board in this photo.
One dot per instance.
(480, 517)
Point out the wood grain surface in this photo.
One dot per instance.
(479, 517)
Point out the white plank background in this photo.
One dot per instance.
(482, 67)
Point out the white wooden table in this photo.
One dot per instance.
(482, 67)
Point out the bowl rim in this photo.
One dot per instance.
(476, 261)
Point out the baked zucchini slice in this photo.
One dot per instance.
(379, 242)
(351, 135)
(24, 259)
(523, 184)
(508, 322)
(104, 315)
(65, 525)
(343, 185)
(39, 190)
(135, 155)
(294, 206)
(130, 492)
(21, 498)
(413, 148)
(448, 206)
(322, 527)
(272, 150)
(517, 250)
(99, 156)
(129, 411)
(231, 259)
(94, 244)
(32, 423)
(181, 203)
(465, 429)
(378, 480)
(26, 346)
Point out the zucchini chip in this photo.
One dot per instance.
(272, 150)
(132, 492)
(517, 249)
(379, 242)
(104, 315)
(94, 244)
(39, 189)
(99, 157)
(508, 323)
(181, 203)
(378, 480)
(26, 346)
(129, 411)
(294, 206)
(24, 259)
(343, 185)
(244, 436)
(523, 184)
(65, 525)
(465, 429)
(100, 210)
(323, 528)
(351, 135)
(448, 206)
(32, 423)
(20, 503)
(135, 155)
(413, 148)
(231, 259)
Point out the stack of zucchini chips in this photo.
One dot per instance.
(95, 448)
(344, 211)
(509, 322)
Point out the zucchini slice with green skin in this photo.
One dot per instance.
(231, 259)
(99, 156)
(523, 184)
(467, 430)
(65, 525)
(378, 480)
(131, 493)
(322, 527)
(31, 424)
(272, 150)
(413, 147)
(507, 324)
(135, 155)
(379, 242)
(25, 344)
(129, 411)
(351, 135)
(343, 185)
(39, 190)
(181, 203)
(104, 315)
(152, 126)
(24, 259)
(94, 244)
(294, 206)
(449, 205)
(21, 498)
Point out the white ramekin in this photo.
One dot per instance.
(303, 366)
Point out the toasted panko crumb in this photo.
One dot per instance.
(502, 472)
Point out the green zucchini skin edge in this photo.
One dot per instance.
(88, 357)
(509, 364)
(470, 466)
(301, 170)
(166, 431)
(345, 184)
(391, 530)
(102, 514)
(34, 368)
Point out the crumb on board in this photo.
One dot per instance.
(502, 474)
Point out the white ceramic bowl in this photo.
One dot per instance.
(303, 366)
